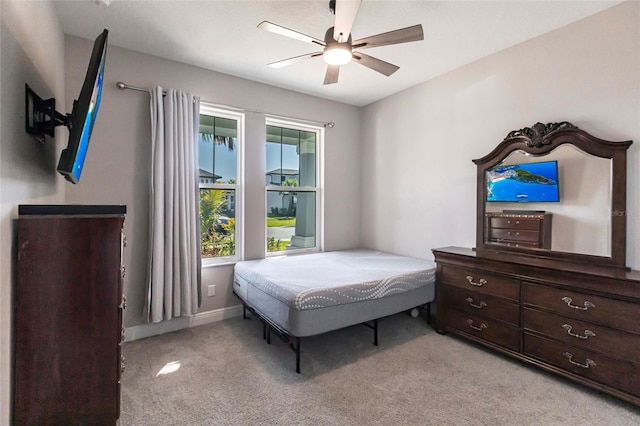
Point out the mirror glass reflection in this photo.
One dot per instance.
(582, 218)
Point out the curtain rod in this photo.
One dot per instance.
(123, 86)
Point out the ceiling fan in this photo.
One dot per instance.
(338, 46)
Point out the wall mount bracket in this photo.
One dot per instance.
(41, 117)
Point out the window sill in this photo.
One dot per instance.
(292, 252)
(208, 263)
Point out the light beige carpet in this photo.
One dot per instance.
(224, 373)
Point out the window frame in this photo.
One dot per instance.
(238, 187)
(318, 189)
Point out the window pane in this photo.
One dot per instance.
(217, 149)
(274, 165)
(217, 222)
(307, 155)
(225, 162)
(291, 220)
(291, 157)
(205, 160)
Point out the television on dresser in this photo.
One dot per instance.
(523, 183)
(42, 117)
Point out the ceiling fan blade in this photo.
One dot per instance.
(277, 29)
(375, 64)
(346, 11)
(286, 62)
(331, 76)
(403, 35)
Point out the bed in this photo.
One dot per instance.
(305, 295)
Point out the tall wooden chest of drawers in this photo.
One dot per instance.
(68, 315)
(575, 320)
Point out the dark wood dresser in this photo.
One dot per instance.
(519, 229)
(68, 315)
(576, 320)
(571, 313)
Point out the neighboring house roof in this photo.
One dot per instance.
(207, 174)
(286, 172)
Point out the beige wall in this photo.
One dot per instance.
(424, 138)
(117, 167)
(30, 54)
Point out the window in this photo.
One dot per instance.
(219, 161)
(293, 187)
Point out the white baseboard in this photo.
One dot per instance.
(147, 330)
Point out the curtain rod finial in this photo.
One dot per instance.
(330, 124)
(121, 85)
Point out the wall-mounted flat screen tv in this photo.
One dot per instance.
(84, 113)
(524, 183)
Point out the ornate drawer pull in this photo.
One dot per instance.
(517, 234)
(123, 304)
(587, 333)
(480, 282)
(124, 240)
(478, 306)
(122, 363)
(122, 335)
(517, 222)
(482, 326)
(124, 272)
(588, 363)
(587, 304)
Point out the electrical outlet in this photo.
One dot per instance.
(212, 290)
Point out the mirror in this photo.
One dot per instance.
(580, 219)
(588, 223)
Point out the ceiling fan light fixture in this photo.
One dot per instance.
(337, 54)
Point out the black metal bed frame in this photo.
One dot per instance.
(293, 342)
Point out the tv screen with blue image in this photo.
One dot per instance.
(83, 116)
(525, 182)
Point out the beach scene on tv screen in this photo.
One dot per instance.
(531, 182)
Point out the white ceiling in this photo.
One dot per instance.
(222, 35)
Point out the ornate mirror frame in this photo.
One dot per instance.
(541, 139)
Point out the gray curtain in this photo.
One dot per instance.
(174, 267)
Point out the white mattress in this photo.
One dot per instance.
(314, 293)
(325, 279)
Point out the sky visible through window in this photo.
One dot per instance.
(289, 156)
(226, 160)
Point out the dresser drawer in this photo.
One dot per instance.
(485, 328)
(514, 235)
(481, 281)
(594, 366)
(481, 304)
(515, 223)
(614, 313)
(584, 335)
(515, 243)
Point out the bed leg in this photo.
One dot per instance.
(268, 335)
(428, 308)
(244, 312)
(375, 332)
(298, 355)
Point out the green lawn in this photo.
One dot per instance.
(280, 221)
